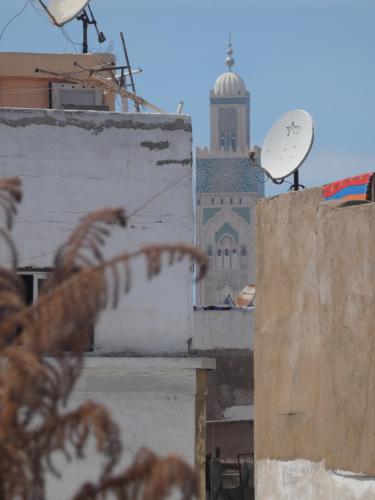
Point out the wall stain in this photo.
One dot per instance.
(186, 161)
(155, 145)
(79, 119)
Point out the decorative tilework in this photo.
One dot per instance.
(226, 229)
(208, 213)
(228, 175)
(243, 212)
(229, 100)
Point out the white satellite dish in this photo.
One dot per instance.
(287, 145)
(63, 11)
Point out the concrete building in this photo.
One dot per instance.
(228, 185)
(71, 162)
(314, 347)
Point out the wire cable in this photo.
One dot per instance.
(13, 19)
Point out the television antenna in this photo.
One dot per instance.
(287, 145)
(61, 12)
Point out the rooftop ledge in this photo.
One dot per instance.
(137, 362)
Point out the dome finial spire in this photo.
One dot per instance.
(229, 61)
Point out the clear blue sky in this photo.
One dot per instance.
(311, 54)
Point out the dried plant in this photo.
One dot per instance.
(37, 376)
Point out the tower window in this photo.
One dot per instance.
(234, 142)
(219, 253)
(226, 253)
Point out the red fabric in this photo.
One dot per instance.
(331, 189)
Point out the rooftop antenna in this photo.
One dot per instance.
(130, 72)
(287, 145)
(61, 12)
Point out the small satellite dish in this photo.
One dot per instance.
(63, 11)
(287, 145)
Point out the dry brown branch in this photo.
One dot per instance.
(83, 248)
(148, 478)
(10, 195)
(37, 375)
(67, 309)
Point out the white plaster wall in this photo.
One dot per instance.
(305, 480)
(71, 162)
(226, 329)
(151, 399)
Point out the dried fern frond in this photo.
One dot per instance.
(77, 302)
(10, 195)
(148, 478)
(12, 298)
(72, 431)
(83, 248)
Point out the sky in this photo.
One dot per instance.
(312, 54)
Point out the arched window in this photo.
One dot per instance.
(219, 252)
(234, 143)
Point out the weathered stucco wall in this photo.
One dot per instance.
(155, 401)
(223, 329)
(313, 344)
(71, 162)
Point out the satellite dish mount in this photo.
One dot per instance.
(286, 147)
(61, 12)
(88, 19)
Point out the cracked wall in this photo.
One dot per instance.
(71, 162)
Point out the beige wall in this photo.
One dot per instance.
(22, 87)
(314, 332)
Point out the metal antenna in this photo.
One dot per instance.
(136, 105)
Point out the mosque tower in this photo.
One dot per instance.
(228, 185)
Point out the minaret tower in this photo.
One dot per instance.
(228, 185)
(230, 111)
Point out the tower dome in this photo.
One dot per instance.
(229, 84)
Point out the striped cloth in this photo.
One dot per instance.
(359, 187)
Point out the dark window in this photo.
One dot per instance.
(226, 252)
(28, 283)
(219, 252)
(243, 251)
(234, 251)
(221, 201)
(231, 201)
(209, 251)
(240, 201)
(212, 201)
